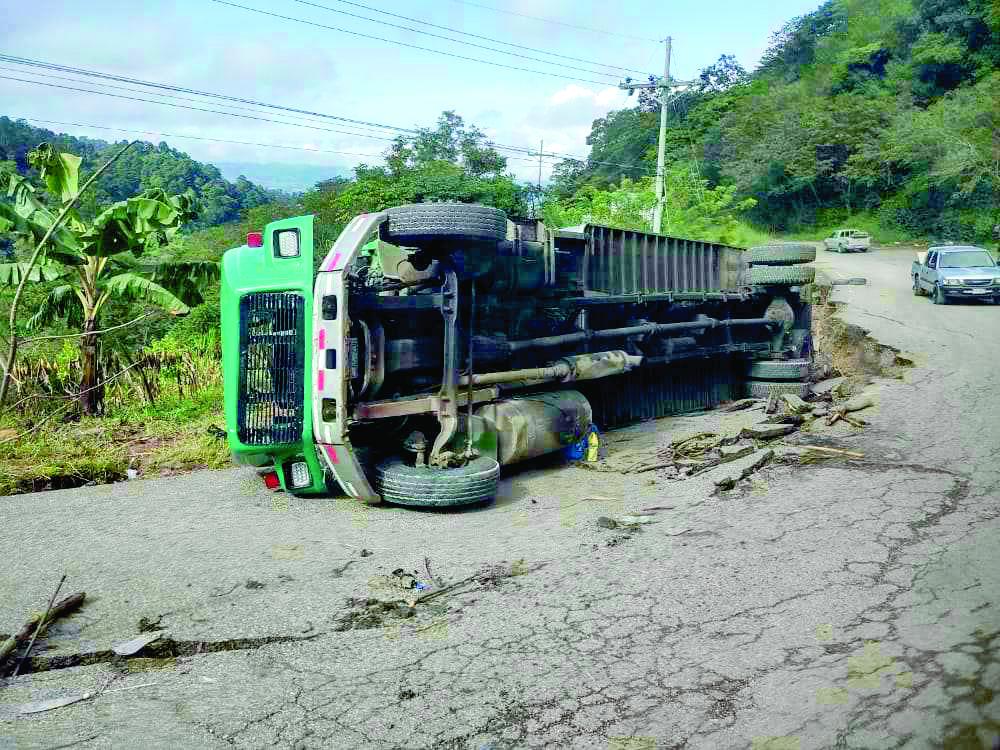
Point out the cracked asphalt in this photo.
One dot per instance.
(837, 604)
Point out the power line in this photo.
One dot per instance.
(215, 140)
(196, 109)
(412, 46)
(179, 98)
(555, 22)
(499, 146)
(196, 137)
(468, 33)
(123, 79)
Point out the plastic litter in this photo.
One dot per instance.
(587, 448)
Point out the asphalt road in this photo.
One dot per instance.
(840, 604)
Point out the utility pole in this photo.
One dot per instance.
(664, 85)
(541, 148)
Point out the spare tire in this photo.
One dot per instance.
(782, 255)
(780, 369)
(764, 388)
(398, 482)
(782, 275)
(418, 223)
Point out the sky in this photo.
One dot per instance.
(219, 48)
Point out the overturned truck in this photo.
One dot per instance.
(435, 343)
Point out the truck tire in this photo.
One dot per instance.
(782, 275)
(764, 388)
(782, 255)
(917, 290)
(939, 296)
(419, 223)
(398, 482)
(780, 369)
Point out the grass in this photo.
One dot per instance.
(174, 435)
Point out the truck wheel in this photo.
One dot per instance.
(782, 255)
(782, 275)
(780, 369)
(917, 291)
(418, 223)
(939, 296)
(398, 482)
(764, 388)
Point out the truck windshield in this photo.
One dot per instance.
(966, 259)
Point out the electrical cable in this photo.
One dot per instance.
(404, 44)
(197, 137)
(469, 33)
(504, 147)
(168, 87)
(557, 23)
(179, 98)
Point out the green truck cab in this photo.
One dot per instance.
(266, 306)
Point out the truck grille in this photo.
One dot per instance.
(977, 282)
(272, 369)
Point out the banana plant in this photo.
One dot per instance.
(95, 261)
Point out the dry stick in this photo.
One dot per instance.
(836, 451)
(41, 624)
(12, 351)
(66, 605)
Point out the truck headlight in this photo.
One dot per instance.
(300, 475)
(996, 282)
(952, 282)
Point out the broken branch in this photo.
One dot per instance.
(63, 607)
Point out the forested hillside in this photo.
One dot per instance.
(884, 111)
(143, 167)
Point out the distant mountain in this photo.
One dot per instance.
(144, 166)
(289, 178)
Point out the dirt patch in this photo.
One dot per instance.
(844, 349)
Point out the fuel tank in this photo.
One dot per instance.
(530, 426)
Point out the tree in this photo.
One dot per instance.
(451, 141)
(95, 261)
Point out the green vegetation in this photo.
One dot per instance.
(878, 114)
(158, 383)
(144, 167)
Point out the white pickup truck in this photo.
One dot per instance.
(848, 241)
(949, 272)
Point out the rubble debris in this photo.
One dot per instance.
(820, 411)
(758, 460)
(137, 644)
(745, 403)
(840, 411)
(835, 451)
(625, 522)
(366, 552)
(37, 707)
(794, 404)
(767, 431)
(826, 386)
(772, 403)
(792, 419)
